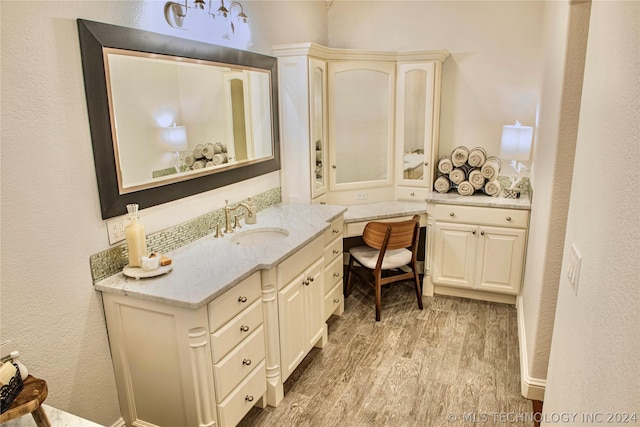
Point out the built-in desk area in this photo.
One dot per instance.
(357, 216)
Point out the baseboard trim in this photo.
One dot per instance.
(119, 423)
(530, 388)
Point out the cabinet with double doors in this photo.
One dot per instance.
(366, 120)
(477, 252)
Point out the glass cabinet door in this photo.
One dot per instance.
(317, 123)
(414, 127)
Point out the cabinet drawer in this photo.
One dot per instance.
(232, 302)
(480, 216)
(411, 193)
(332, 299)
(241, 400)
(334, 230)
(231, 334)
(296, 263)
(333, 250)
(238, 364)
(332, 273)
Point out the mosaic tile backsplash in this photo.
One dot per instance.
(111, 261)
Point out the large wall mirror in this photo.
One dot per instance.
(172, 117)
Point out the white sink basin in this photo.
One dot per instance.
(259, 236)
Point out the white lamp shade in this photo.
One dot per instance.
(175, 138)
(516, 142)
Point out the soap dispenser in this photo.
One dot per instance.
(136, 239)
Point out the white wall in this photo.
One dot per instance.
(492, 77)
(50, 210)
(594, 364)
(565, 43)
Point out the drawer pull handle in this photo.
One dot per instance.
(451, 214)
(336, 301)
(508, 218)
(336, 274)
(246, 362)
(244, 328)
(482, 233)
(473, 232)
(249, 398)
(336, 252)
(242, 299)
(336, 231)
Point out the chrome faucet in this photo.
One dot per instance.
(250, 218)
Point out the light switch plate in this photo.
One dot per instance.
(573, 270)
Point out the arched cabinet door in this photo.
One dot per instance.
(361, 114)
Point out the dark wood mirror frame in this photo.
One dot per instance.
(94, 36)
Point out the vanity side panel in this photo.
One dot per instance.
(158, 377)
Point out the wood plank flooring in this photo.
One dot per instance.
(455, 363)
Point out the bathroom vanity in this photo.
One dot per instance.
(224, 329)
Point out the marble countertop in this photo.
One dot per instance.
(481, 200)
(209, 266)
(382, 210)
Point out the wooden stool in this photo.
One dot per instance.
(28, 402)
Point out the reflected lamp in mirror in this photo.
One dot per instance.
(174, 139)
(516, 145)
(216, 23)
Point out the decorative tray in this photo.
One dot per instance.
(139, 273)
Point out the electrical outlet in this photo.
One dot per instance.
(362, 195)
(115, 228)
(573, 270)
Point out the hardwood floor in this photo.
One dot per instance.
(454, 363)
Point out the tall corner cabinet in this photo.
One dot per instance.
(357, 126)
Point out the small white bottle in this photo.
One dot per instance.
(136, 239)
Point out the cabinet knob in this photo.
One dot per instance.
(451, 213)
(323, 203)
(508, 218)
(244, 328)
(242, 299)
(412, 194)
(336, 252)
(311, 278)
(473, 232)
(482, 233)
(426, 163)
(246, 362)
(248, 398)
(336, 301)
(334, 166)
(336, 274)
(306, 281)
(336, 231)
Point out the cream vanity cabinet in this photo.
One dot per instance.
(300, 305)
(333, 269)
(366, 120)
(477, 252)
(185, 367)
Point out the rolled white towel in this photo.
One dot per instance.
(220, 148)
(218, 159)
(465, 188)
(208, 151)
(476, 179)
(197, 151)
(442, 184)
(445, 165)
(457, 175)
(491, 167)
(492, 188)
(477, 157)
(459, 156)
(198, 164)
(189, 160)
